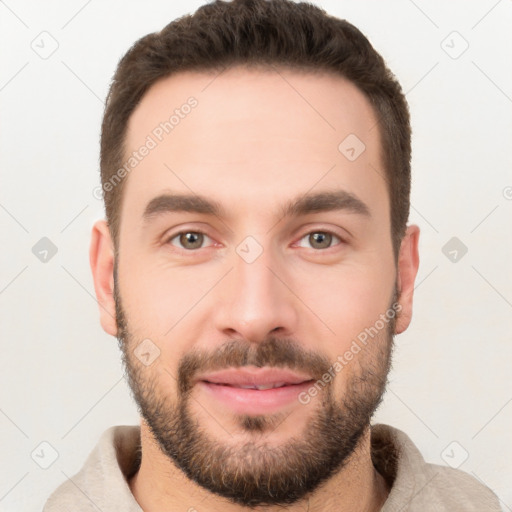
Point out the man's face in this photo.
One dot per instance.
(256, 293)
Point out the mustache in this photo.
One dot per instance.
(274, 352)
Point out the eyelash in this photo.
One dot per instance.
(199, 231)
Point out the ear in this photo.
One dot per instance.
(408, 262)
(101, 258)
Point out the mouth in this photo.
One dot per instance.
(254, 390)
(259, 387)
(255, 378)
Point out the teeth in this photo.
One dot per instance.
(264, 386)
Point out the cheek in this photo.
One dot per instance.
(159, 296)
(348, 300)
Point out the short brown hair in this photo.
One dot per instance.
(269, 33)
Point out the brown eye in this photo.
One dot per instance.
(189, 240)
(319, 239)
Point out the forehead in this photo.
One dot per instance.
(250, 133)
(325, 105)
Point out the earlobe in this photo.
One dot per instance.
(408, 263)
(101, 259)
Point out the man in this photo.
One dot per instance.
(255, 265)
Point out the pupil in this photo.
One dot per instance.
(322, 238)
(191, 240)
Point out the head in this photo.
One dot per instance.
(255, 163)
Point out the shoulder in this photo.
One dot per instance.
(418, 485)
(101, 480)
(457, 490)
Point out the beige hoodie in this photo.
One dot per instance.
(102, 483)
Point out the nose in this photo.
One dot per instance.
(256, 300)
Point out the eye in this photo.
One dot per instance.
(189, 240)
(319, 239)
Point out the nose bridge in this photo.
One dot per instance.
(256, 301)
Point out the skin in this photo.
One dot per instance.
(254, 143)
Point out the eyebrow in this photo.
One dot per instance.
(305, 204)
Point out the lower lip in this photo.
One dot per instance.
(254, 401)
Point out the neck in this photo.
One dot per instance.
(160, 485)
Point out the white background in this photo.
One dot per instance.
(61, 376)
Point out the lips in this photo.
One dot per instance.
(255, 378)
(259, 387)
(253, 390)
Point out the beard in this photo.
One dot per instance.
(254, 472)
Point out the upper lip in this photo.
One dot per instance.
(254, 376)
